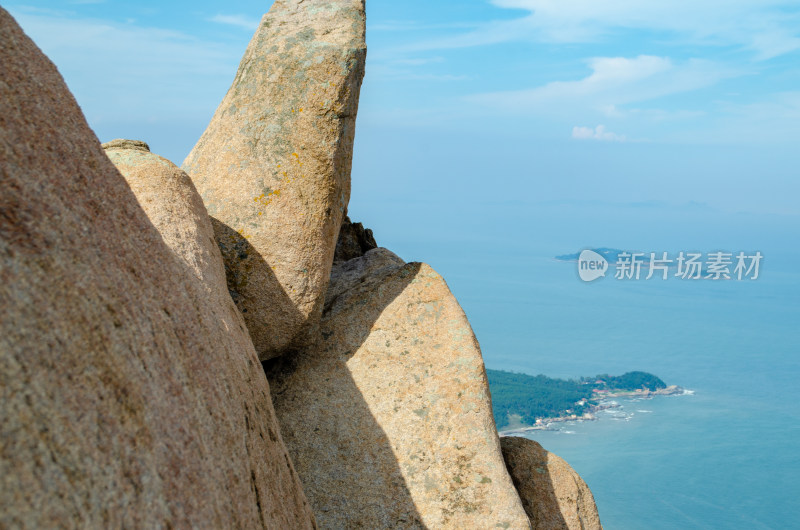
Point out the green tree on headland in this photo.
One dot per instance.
(542, 397)
(630, 381)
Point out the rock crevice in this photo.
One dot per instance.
(554, 495)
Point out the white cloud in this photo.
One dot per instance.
(108, 53)
(614, 81)
(419, 61)
(241, 21)
(410, 25)
(598, 133)
(161, 86)
(767, 27)
(378, 71)
(774, 119)
(654, 115)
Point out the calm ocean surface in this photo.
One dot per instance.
(724, 457)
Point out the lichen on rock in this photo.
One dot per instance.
(274, 163)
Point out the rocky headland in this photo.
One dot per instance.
(605, 402)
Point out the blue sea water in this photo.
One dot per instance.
(725, 457)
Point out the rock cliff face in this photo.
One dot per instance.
(273, 167)
(388, 415)
(554, 496)
(131, 393)
(124, 400)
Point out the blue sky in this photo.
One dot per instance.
(644, 114)
(494, 135)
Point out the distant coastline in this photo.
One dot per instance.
(546, 424)
(523, 402)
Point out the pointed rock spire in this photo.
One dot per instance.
(273, 167)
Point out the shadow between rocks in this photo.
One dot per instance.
(527, 463)
(251, 281)
(344, 458)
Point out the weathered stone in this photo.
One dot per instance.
(554, 495)
(274, 164)
(388, 416)
(121, 143)
(349, 274)
(124, 400)
(173, 205)
(354, 241)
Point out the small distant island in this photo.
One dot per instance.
(610, 254)
(525, 402)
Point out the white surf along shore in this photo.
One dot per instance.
(605, 402)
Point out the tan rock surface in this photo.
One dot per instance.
(171, 202)
(554, 495)
(124, 401)
(388, 416)
(273, 167)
